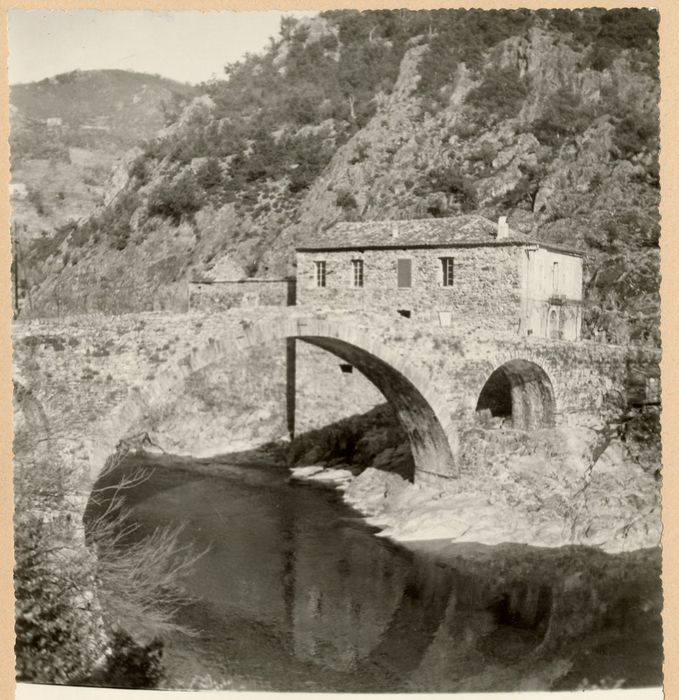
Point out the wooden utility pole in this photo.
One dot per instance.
(15, 270)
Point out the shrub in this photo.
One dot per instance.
(600, 57)
(306, 156)
(526, 188)
(60, 633)
(139, 169)
(47, 246)
(450, 180)
(635, 133)
(302, 105)
(500, 94)
(345, 200)
(115, 220)
(177, 199)
(563, 117)
(132, 665)
(57, 636)
(81, 235)
(485, 153)
(209, 176)
(362, 148)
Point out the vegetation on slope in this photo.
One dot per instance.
(97, 110)
(549, 117)
(64, 634)
(68, 131)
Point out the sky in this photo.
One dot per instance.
(186, 46)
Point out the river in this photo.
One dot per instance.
(296, 593)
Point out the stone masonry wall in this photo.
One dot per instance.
(99, 378)
(485, 293)
(326, 394)
(218, 296)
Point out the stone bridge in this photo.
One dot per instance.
(94, 380)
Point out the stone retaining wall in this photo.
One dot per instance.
(218, 296)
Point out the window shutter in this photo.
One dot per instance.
(404, 272)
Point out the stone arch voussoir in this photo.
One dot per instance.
(538, 355)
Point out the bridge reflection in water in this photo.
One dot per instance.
(296, 593)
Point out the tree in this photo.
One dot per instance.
(179, 198)
(563, 117)
(209, 175)
(500, 94)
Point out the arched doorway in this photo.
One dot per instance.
(521, 393)
(554, 323)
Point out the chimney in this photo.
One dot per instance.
(502, 228)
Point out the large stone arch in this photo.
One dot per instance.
(423, 415)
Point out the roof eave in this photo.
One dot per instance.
(446, 244)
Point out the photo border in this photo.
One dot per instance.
(669, 208)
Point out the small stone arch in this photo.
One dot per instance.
(520, 392)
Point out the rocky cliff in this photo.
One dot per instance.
(548, 117)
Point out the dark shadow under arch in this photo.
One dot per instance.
(520, 392)
(428, 442)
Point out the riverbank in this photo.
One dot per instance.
(547, 488)
(538, 499)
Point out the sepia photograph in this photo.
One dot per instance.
(336, 349)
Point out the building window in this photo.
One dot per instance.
(320, 273)
(357, 273)
(555, 278)
(447, 265)
(404, 272)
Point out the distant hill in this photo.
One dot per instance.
(547, 117)
(67, 132)
(109, 109)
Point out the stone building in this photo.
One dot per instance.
(465, 271)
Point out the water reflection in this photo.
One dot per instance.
(296, 593)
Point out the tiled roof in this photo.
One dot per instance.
(349, 234)
(470, 229)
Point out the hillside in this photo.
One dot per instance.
(549, 118)
(68, 131)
